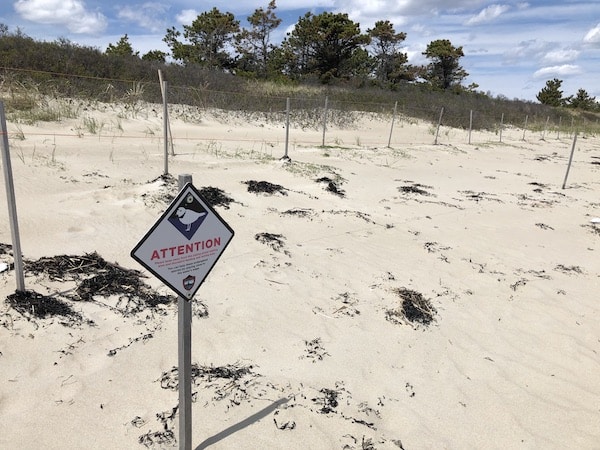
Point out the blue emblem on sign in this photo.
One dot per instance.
(188, 216)
(188, 282)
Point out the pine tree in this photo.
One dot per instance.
(551, 94)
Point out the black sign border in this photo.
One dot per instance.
(168, 212)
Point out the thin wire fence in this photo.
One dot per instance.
(33, 96)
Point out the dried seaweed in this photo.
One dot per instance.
(594, 229)
(233, 372)
(332, 186)
(275, 241)
(478, 196)
(415, 188)
(361, 215)
(35, 305)
(98, 278)
(329, 401)
(166, 194)
(215, 197)
(314, 350)
(229, 382)
(265, 187)
(158, 439)
(415, 309)
(569, 269)
(298, 212)
(67, 267)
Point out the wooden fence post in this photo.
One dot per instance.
(392, 127)
(325, 120)
(437, 131)
(287, 127)
(570, 160)
(163, 93)
(165, 128)
(470, 124)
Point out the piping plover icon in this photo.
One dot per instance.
(188, 216)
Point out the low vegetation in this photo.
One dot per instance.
(39, 81)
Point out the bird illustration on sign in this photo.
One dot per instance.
(188, 216)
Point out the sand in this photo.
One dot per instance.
(302, 336)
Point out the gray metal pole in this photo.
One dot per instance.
(392, 127)
(325, 120)
(12, 205)
(165, 128)
(525, 127)
(184, 371)
(501, 126)
(287, 127)
(570, 160)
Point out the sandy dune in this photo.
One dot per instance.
(418, 296)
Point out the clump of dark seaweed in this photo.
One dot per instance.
(166, 194)
(415, 188)
(333, 186)
(98, 278)
(67, 267)
(415, 309)
(215, 197)
(265, 187)
(232, 372)
(35, 305)
(329, 401)
(158, 439)
(298, 212)
(594, 229)
(569, 269)
(275, 241)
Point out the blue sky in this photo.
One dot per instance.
(511, 47)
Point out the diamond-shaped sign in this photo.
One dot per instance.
(185, 243)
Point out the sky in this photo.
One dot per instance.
(511, 47)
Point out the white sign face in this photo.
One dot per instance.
(185, 243)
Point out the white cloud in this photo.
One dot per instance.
(71, 14)
(560, 56)
(488, 14)
(593, 36)
(149, 15)
(532, 49)
(187, 16)
(564, 70)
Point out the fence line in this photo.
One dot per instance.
(304, 113)
(203, 97)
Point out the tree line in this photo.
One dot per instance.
(214, 53)
(552, 95)
(326, 47)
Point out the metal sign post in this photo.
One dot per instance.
(181, 249)
(184, 359)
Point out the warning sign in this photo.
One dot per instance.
(185, 243)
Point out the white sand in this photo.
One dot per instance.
(507, 258)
